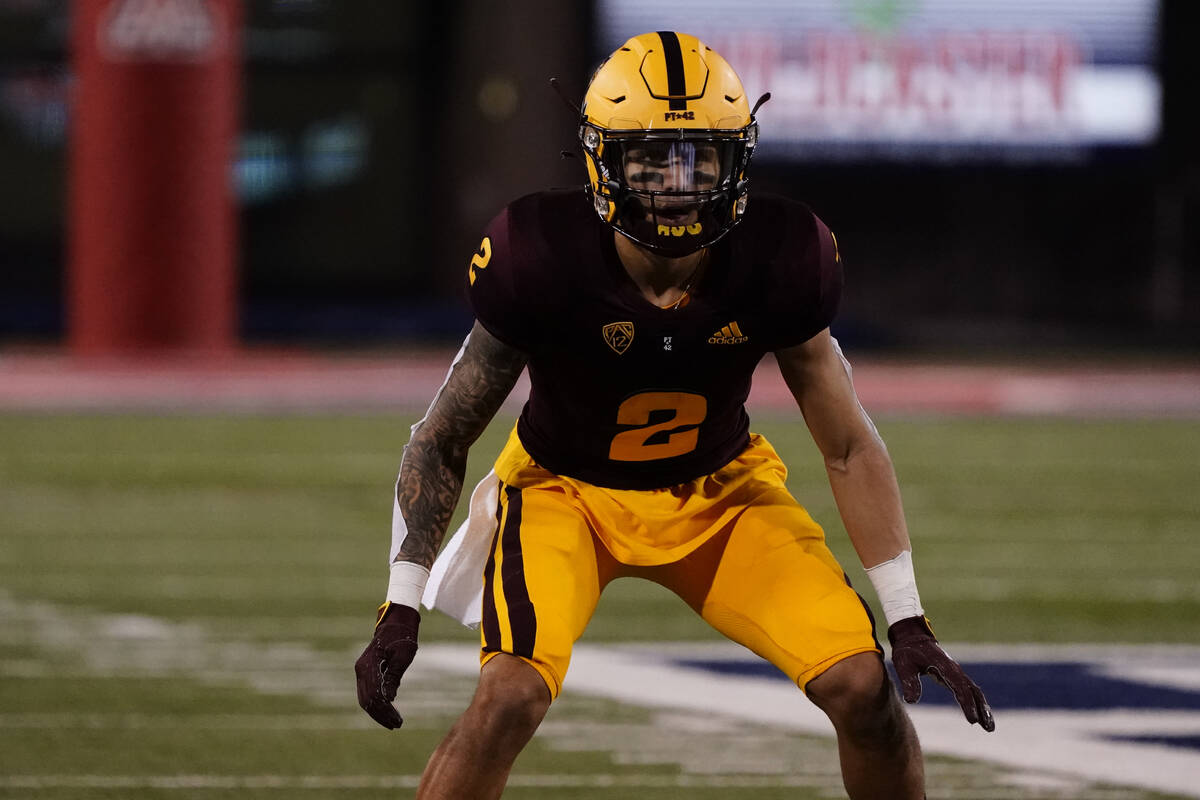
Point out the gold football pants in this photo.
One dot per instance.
(734, 545)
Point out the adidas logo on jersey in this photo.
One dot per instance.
(730, 334)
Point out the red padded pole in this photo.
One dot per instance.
(151, 230)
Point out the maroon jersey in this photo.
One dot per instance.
(625, 394)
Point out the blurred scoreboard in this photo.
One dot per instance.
(928, 79)
(337, 99)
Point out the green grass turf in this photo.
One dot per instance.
(258, 530)
(1024, 530)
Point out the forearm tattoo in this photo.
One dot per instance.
(435, 459)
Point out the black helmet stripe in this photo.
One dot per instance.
(676, 83)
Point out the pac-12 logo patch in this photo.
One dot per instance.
(618, 335)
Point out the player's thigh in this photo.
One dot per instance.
(541, 582)
(778, 590)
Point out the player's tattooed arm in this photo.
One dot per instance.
(435, 459)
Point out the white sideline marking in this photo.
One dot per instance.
(1067, 743)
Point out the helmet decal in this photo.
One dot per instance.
(676, 85)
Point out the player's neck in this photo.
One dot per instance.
(663, 281)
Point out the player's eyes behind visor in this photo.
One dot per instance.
(672, 166)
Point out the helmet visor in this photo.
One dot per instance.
(678, 192)
(674, 166)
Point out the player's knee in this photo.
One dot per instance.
(859, 699)
(512, 696)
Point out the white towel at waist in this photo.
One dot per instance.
(455, 584)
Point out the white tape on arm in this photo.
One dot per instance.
(896, 585)
(407, 583)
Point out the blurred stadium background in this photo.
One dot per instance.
(233, 238)
(1030, 185)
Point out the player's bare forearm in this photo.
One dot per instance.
(860, 470)
(435, 459)
(868, 499)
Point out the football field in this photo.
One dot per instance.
(182, 597)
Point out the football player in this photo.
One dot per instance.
(640, 305)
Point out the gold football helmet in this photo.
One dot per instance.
(667, 135)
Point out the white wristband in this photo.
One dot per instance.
(896, 585)
(407, 583)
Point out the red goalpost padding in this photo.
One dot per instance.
(151, 228)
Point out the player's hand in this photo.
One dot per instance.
(380, 667)
(915, 652)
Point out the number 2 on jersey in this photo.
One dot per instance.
(634, 445)
(480, 260)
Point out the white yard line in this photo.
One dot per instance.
(517, 780)
(221, 722)
(1067, 743)
(134, 645)
(1064, 749)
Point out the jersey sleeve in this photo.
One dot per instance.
(494, 288)
(811, 286)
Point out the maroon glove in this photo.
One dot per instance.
(380, 667)
(915, 652)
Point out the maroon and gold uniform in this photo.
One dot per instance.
(633, 455)
(625, 394)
